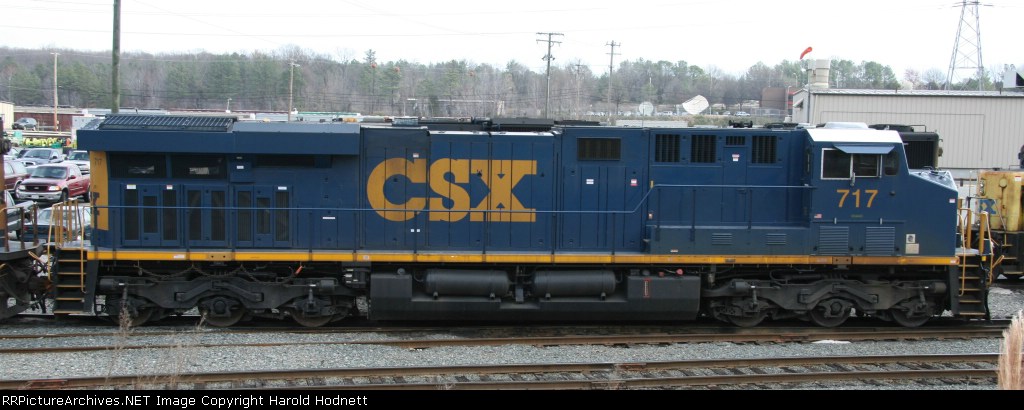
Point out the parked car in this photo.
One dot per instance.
(73, 226)
(25, 123)
(13, 152)
(742, 114)
(18, 215)
(14, 173)
(80, 158)
(55, 183)
(37, 156)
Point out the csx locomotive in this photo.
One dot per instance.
(492, 220)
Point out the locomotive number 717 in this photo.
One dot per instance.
(856, 195)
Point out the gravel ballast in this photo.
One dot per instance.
(189, 357)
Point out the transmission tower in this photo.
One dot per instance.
(967, 47)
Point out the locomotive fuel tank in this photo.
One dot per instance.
(489, 283)
(548, 284)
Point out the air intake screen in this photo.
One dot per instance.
(166, 123)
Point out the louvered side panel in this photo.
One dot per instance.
(834, 240)
(881, 240)
(721, 239)
(775, 239)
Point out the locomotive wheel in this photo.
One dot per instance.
(115, 310)
(749, 321)
(135, 320)
(309, 321)
(4, 309)
(830, 313)
(232, 318)
(905, 320)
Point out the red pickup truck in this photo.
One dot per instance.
(54, 183)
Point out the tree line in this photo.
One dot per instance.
(314, 82)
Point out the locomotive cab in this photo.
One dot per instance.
(869, 251)
(854, 174)
(862, 188)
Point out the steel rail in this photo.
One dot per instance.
(318, 378)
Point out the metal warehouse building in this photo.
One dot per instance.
(979, 129)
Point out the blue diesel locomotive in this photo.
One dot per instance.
(419, 221)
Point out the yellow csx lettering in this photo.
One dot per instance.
(500, 177)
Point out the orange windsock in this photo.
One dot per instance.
(808, 50)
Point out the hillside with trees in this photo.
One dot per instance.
(324, 83)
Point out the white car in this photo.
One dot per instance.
(80, 158)
(742, 114)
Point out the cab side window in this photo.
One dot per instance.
(890, 165)
(866, 165)
(837, 164)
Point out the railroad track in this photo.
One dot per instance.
(133, 341)
(979, 369)
(46, 329)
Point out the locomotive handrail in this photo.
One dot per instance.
(985, 248)
(648, 193)
(985, 239)
(22, 212)
(66, 222)
(635, 208)
(311, 211)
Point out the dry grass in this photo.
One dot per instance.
(124, 331)
(165, 372)
(176, 361)
(1011, 373)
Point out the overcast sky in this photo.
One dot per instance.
(731, 35)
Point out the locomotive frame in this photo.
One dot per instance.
(514, 220)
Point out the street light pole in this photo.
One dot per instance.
(291, 81)
(56, 125)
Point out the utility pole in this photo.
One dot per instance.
(56, 126)
(291, 80)
(579, 74)
(548, 58)
(611, 68)
(115, 62)
(373, 87)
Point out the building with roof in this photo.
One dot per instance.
(978, 129)
(7, 113)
